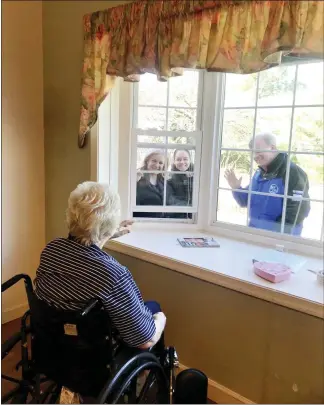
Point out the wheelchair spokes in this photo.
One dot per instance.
(149, 382)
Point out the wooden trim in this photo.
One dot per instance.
(220, 394)
(264, 293)
(15, 312)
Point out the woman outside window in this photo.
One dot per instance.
(180, 185)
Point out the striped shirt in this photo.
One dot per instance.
(70, 273)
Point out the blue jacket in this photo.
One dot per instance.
(266, 211)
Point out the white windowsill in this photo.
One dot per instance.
(229, 266)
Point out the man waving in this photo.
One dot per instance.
(266, 210)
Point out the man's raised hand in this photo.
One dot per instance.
(232, 180)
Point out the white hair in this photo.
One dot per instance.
(269, 138)
(93, 213)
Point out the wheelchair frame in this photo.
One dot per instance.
(30, 388)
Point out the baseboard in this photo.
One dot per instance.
(15, 312)
(220, 394)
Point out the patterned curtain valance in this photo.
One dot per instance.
(164, 36)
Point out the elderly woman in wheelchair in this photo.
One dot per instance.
(91, 332)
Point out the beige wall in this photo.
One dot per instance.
(267, 353)
(66, 165)
(23, 195)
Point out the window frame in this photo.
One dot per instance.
(119, 104)
(245, 229)
(197, 134)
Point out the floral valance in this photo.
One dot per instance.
(164, 36)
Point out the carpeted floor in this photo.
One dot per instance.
(9, 363)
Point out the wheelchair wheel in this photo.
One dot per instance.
(154, 389)
(124, 388)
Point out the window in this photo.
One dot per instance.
(285, 101)
(190, 151)
(166, 147)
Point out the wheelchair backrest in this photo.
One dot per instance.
(72, 347)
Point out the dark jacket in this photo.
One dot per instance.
(148, 194)
(179, 191)
(180, 188)
(266, 211)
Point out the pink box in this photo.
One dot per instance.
(274, 272)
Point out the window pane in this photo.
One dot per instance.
(240, 90)
(182, 119)
(237, 128)
(276, 121)
(151, 159)
(313, 166)
(151, 118)
(183, 91)
(240, 163)
(310, 84)
(308, 129)
(180, 189)
(151, 91)
(181, 160)
(182, 140)
(312, 225)
(151, 139)
(228, 210)
(276, 86)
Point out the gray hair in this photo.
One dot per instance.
(93, 213)
(269, 138)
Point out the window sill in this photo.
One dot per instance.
(229, 266)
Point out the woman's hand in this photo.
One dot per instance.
(139, 175)
(123, 229)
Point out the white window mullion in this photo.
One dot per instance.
(134, 107)
(284, 208)
(214, 105)
(200, 100)
(252, 150)
(156, 132)
(133, 173)
(165, 145)
(125, 170)
(196, 179)
(161, 208)
(167, 107)
(165, 179)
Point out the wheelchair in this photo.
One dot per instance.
(81, 351)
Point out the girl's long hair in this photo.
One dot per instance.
(148, 157)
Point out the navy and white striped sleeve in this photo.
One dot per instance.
(127, 311)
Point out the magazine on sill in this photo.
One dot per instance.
(198, 242)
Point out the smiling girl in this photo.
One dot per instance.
(180, 185)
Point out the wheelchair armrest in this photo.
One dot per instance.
(13, 280)
(11, 342)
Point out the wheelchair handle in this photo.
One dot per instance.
(13, 280)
